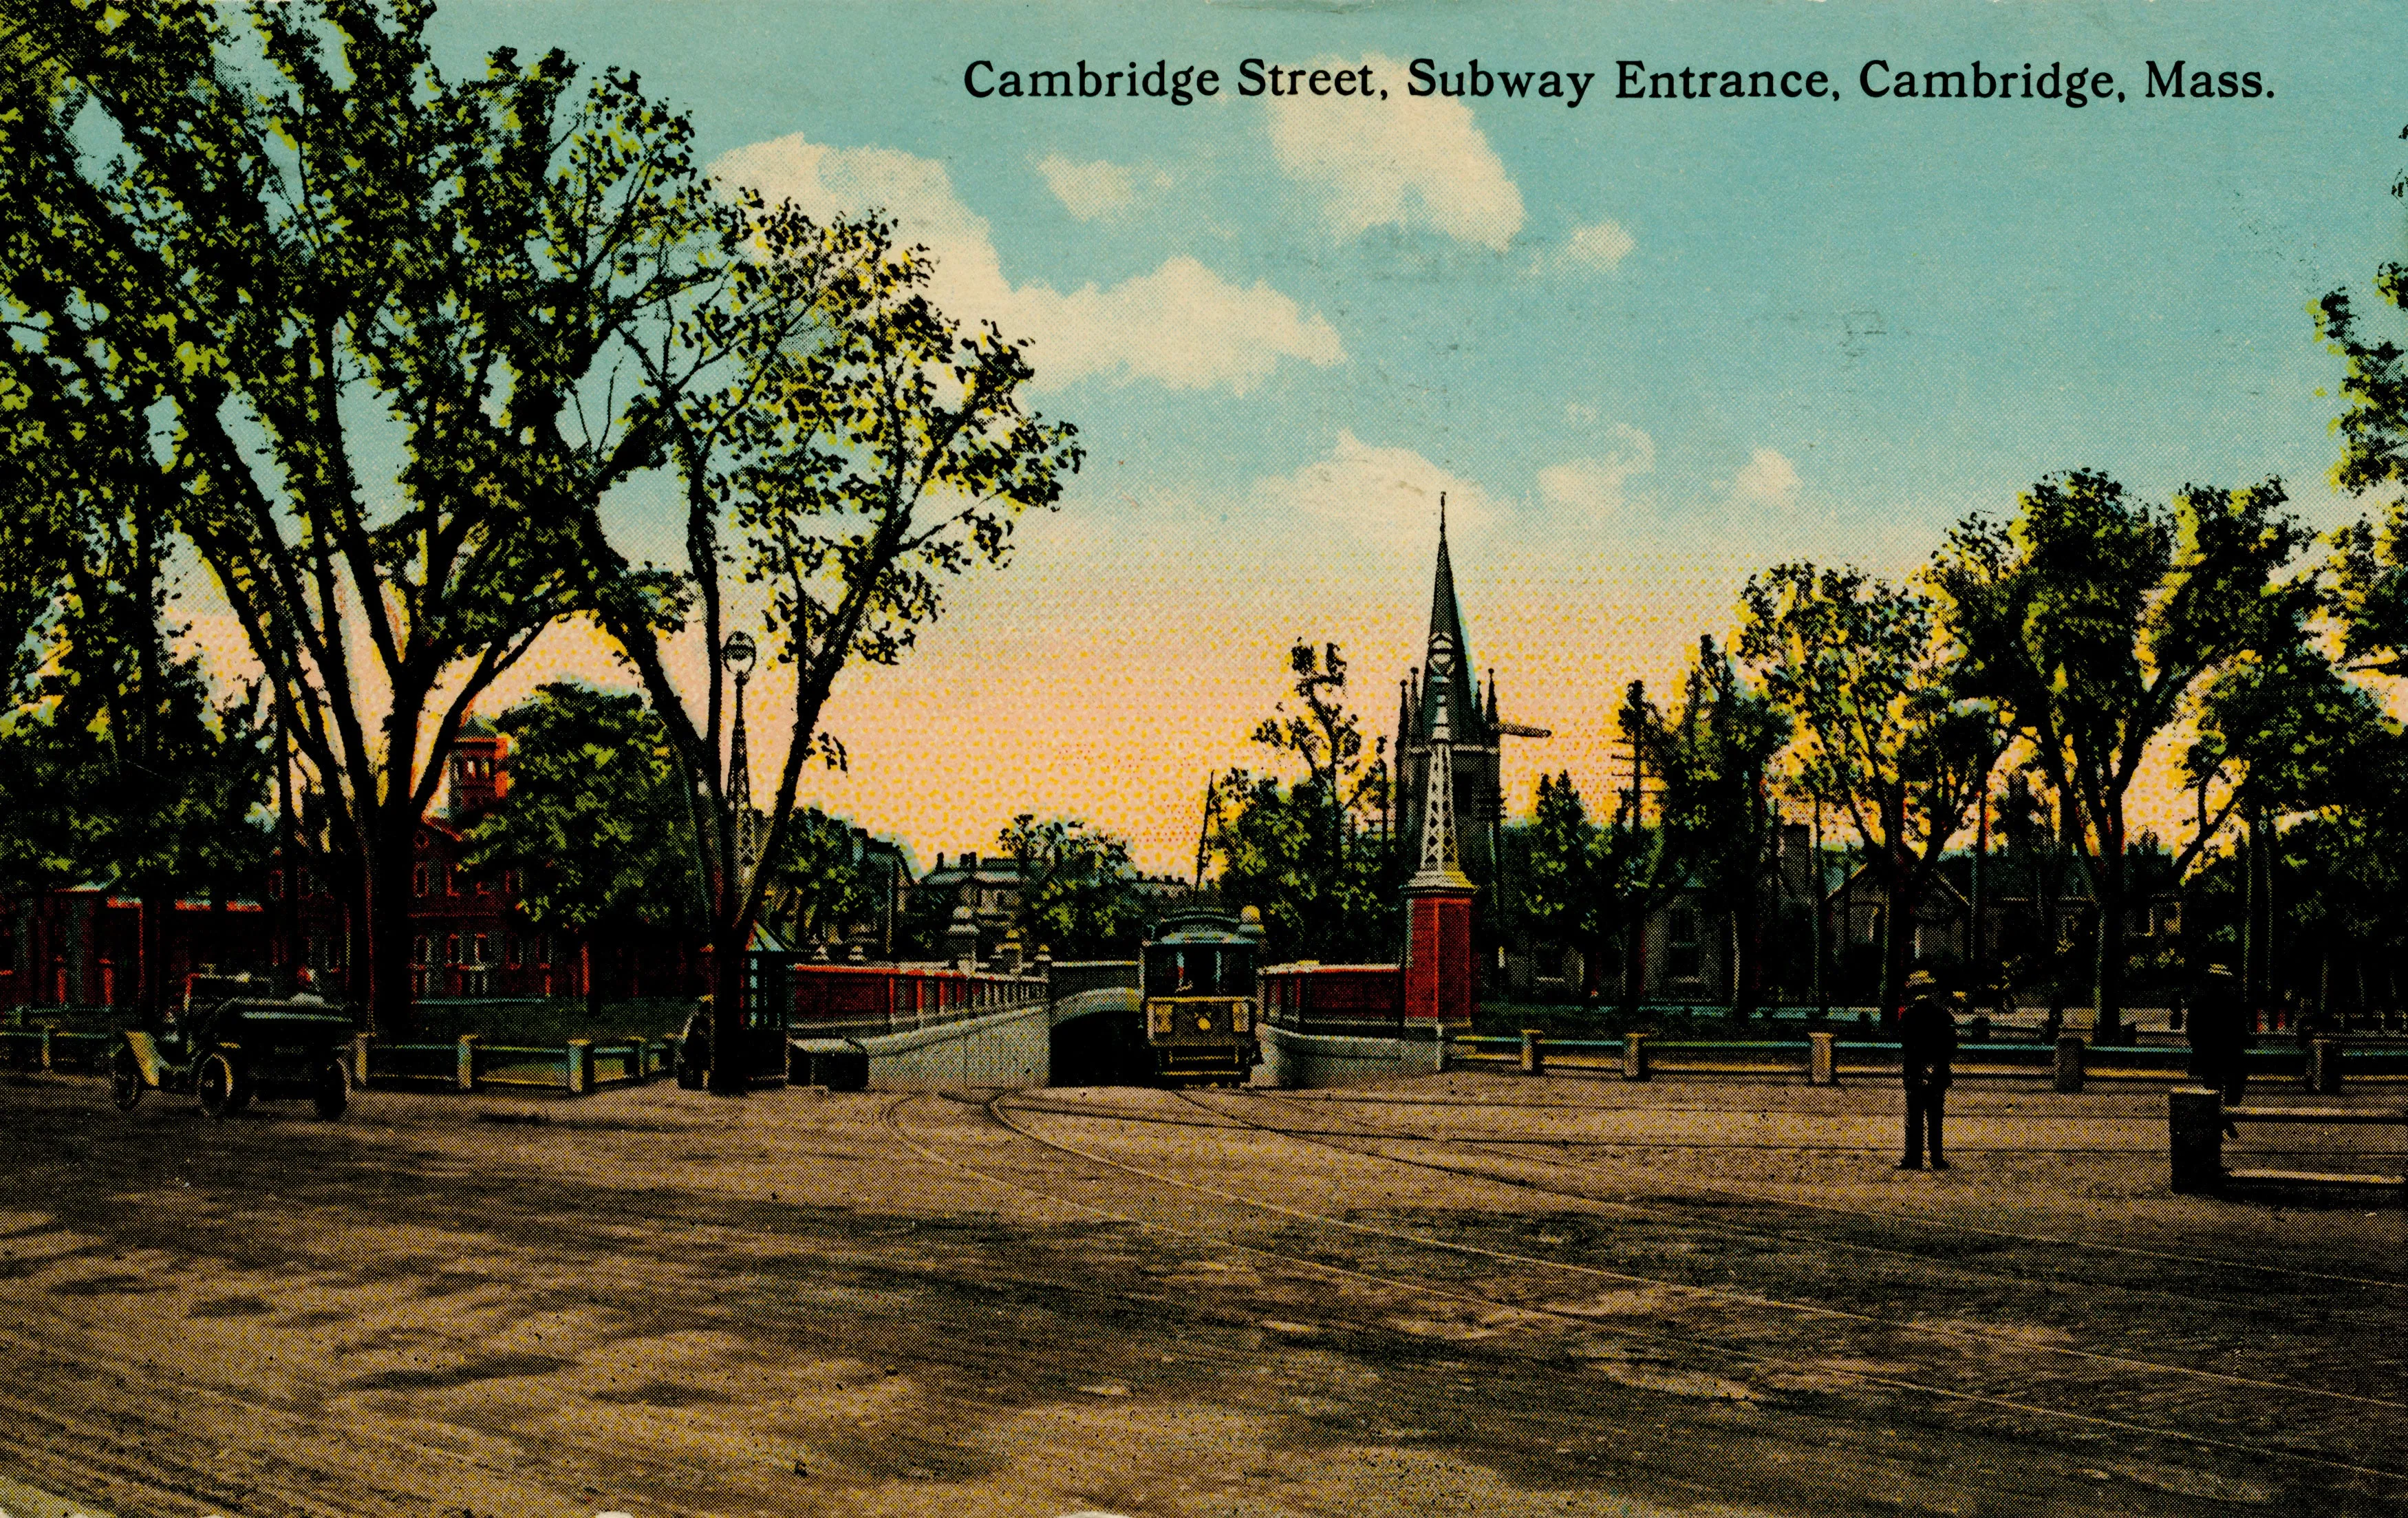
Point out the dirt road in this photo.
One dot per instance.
(1473, 1294)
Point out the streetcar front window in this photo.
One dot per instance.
(1201, 969)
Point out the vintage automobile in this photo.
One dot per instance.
(236, 1038)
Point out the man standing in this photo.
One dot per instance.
(2219, 1037)
(1926, 1037)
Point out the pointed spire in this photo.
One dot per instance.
(1450, 683)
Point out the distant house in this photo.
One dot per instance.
(990, 885)
(81, 946)
(471, 939)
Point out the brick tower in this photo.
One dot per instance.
(1440, 980)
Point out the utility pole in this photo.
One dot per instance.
(1822, 915)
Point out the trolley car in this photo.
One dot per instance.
(1199, 998)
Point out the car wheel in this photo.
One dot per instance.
(330, 1090)
(124, 1080)
(221, 1086)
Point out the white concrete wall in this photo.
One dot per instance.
(1012, 1048)
(1305, 1060)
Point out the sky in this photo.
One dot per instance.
(1644, 347)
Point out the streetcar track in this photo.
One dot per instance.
(1885, 1216)
(1724, 1293)
(993, 1107)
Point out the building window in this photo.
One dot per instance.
(480, 950)
(418, 880)
(452, 949)
(510, 883)
(1681, 954)
(275, 885)
(484, 886)
(418, 949)
(450, 880)
(510, 950)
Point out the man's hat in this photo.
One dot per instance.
(1922, 980)
(2221, 972)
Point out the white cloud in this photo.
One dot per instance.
(1598, 247)
(1183, 325)
(1767, 478)
(1383, 493)
(1089, 190)
(1415, 163)
(1599, 485)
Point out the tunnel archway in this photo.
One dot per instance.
(1098, 1040)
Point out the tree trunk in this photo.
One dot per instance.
(393, 1009)
(2107, 941)
(1897, 942)
(728, 1037)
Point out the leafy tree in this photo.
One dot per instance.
(819, 876)
(119, 764)
(1719, 827)
(591, 819)
(1881, 735)
(1078, 890)
(2090, 619)
(863, 447)
(306, 255)
(2369, 562)
(2281, 731)
(1306, 854)
(1558, 880)
(534, 288)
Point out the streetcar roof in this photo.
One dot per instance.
(1201, 927)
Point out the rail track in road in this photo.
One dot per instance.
(1887, 1218)
(1991, 1372)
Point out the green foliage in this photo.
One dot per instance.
(2282, 730)
(1556, 894)
(591, 821)
(1305, 853)
(1714, 762)
(1077, 891)
(1882, 736)
(1719, 829)
(820, 878)
(2089, 620)
(2370, 560)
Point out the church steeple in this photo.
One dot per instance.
(1449, 679)
(1446, 822)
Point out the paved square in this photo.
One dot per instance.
(1468, 1293)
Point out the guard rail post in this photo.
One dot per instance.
(1533, 1062)
(1634, 1057)
(1444, 1039)
(2323, 1067)
(464, 1072)
(1822, 1058)
(578, 1067)
(47, 1066)
(361, 1043)
(2195, 1138)
(2068, 1061)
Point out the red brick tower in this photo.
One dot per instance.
(1440, 980)
(479, 777)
